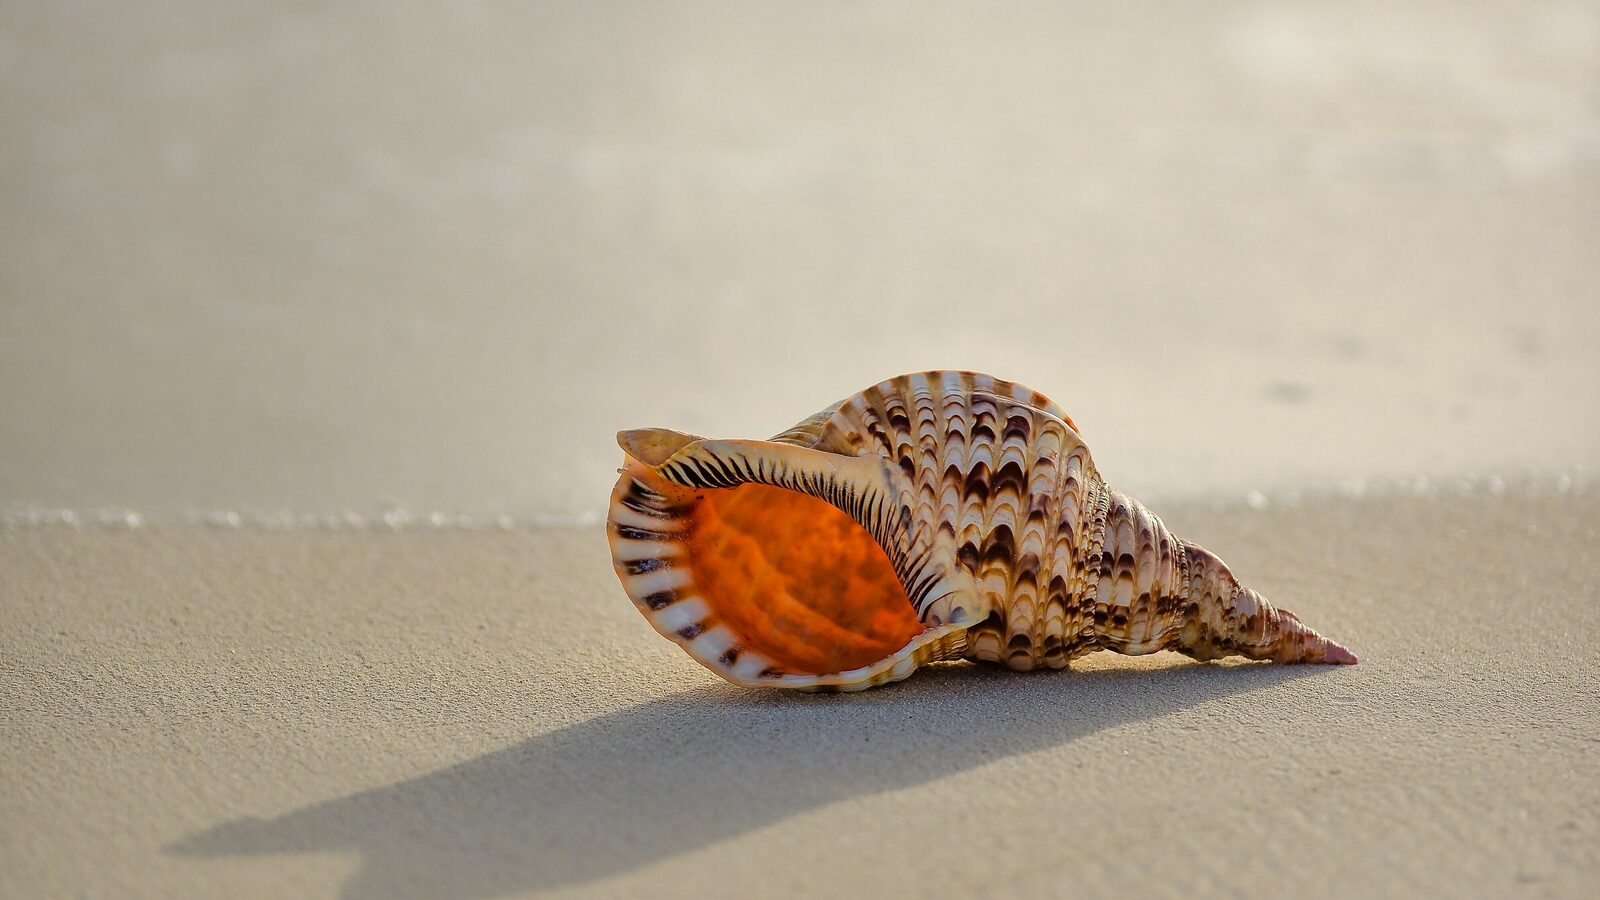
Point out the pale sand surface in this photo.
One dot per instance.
(304, 263)
(477, 714)
(276, 256)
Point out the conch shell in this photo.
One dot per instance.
(941, 515)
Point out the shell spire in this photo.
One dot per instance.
(1201, 610)
(940, 515)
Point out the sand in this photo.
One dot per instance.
(477, 714)
(411, 255)
(1317, 280)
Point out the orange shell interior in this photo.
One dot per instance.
(796, 579)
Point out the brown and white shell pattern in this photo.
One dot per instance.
(938, 515)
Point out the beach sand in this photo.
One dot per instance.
(378, 255)
(317, 323)
(478, 714)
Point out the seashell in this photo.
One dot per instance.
(935, 516)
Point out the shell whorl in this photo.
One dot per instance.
(1002, 496)
(1009, 546)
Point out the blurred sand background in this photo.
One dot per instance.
(1319, 280)
(386, 255)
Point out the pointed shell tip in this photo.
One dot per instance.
(1339, 656)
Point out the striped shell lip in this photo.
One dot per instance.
(763, 585)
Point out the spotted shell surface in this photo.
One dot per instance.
(938, 515)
